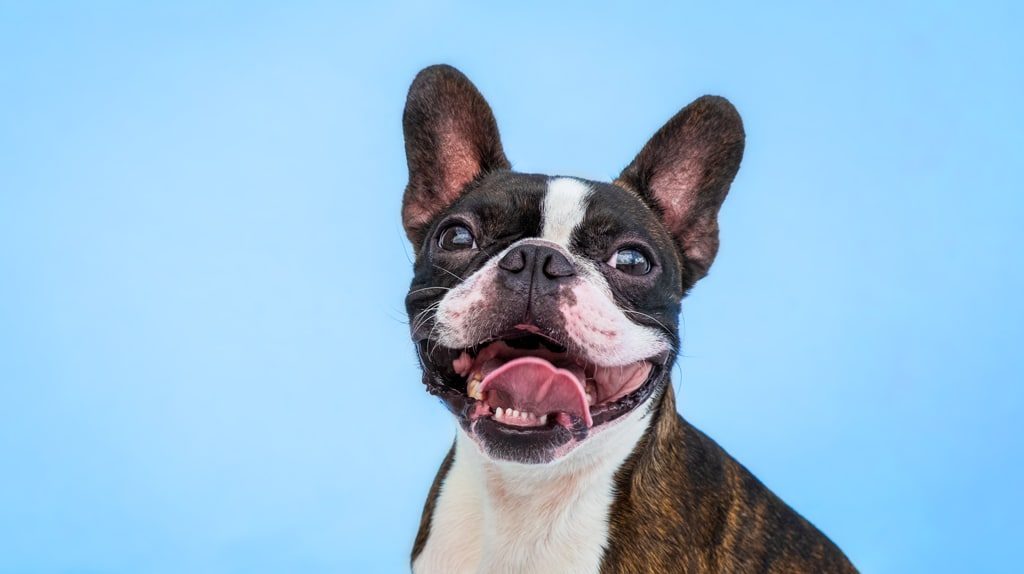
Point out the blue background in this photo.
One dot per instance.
(204, 365)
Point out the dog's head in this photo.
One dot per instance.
(545, 308)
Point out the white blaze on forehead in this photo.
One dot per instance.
(565, 204)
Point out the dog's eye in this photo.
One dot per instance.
(456, 238)
(630, 262)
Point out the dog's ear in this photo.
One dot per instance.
(684, 173)
(451, 139)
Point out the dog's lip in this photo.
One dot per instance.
(464, 407)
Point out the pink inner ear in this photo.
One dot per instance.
(688, 214)
(676, 190)
(460, 162)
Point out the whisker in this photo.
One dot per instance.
(405, 246)
(421, 317)
(447, 271)
(430, 336)
(671, 347)
(399, 318)
(413, 292)
(660, 324)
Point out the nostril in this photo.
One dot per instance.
(556, 265)
(514, 261)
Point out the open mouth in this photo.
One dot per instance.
(527, 384)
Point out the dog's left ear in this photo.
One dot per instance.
(684, 173)
(451, 139)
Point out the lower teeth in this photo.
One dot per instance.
(520, 417)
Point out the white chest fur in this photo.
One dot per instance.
(506, 517)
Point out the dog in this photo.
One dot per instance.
(544, 312)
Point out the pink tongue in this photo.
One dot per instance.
(534, 385)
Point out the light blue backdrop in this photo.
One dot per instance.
(203, 361)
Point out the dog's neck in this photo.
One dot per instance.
(494, 516)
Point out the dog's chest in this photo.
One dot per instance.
(492, 517)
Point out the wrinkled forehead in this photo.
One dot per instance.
(572, 212)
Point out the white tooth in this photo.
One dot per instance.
(590, 398)
(498, 413)
(515, 414)
(544, 419)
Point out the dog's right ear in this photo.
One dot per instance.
(451, 139)
(684, 173)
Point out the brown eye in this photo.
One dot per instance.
(456, 238)
(630, 262)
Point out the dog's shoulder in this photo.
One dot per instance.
(685, 505)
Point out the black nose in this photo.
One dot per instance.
(537, 266)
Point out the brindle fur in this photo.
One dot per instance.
(684, 505)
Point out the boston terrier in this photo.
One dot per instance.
(544, 311)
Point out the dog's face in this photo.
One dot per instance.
(544, 309)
